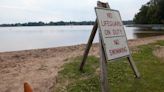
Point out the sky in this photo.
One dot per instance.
(14, 11)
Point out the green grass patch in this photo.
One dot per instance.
(120, 75)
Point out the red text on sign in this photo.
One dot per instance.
(110, 23)
(109, 15)
(118, 51)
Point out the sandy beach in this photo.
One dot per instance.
(39, 67)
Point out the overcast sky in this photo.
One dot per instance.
(13, 11)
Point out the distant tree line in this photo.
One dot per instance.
(128, 22)
(40, 23)
(151, 13)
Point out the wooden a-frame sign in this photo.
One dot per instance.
(112, 40)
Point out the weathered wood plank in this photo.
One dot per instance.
(103, 69)
(133, 66)
(89, 44)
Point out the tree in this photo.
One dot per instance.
(151, 13)
(141, 16)
(161, 11)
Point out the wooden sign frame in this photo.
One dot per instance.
(113, 34)
(103, 60)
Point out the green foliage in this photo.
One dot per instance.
(151, 13)
(120, 75)
(49, 24)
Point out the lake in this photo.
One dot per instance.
(25, 38)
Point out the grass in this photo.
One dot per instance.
(120, 75)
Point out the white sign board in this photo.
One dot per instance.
(112, 33)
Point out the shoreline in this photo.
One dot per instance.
(39, 67)
(149, 26)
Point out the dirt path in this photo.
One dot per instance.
(40, 67)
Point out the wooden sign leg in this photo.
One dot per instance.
(93, 33)
(103, 69)
(85, 55)
(133, 66)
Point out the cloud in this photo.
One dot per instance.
(55, 10)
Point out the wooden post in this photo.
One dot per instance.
(103, 60)
(93, 33)
(103, 5)
(85, 55)
(133, 66)
(103, 69)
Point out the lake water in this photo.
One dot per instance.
(24, 38)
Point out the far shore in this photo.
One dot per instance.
(40, 67)
(149, 26)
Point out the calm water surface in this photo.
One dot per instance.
(24, 38)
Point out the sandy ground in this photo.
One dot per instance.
(39, 67)
(159, 52)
